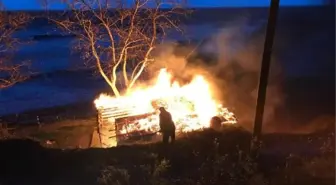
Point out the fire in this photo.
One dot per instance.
(192, 105)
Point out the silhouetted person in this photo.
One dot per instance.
(167, 126)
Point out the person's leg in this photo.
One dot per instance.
(172, 136)
(165, 137)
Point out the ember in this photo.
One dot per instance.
(192, 105)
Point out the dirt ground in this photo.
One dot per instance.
(63, 134)
(72, 134)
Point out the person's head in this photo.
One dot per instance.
(162, 109)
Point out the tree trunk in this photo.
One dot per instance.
(115, 90)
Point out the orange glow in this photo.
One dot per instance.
(192, 105)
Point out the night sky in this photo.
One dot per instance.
(34, 5)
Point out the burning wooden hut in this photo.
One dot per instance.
(133, 115)
(117, 126)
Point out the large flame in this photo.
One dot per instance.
(192, 105)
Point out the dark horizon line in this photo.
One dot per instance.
(191, 8)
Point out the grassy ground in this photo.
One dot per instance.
(204, 157)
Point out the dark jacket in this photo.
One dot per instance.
(166, 122)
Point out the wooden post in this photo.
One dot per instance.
(264, 73)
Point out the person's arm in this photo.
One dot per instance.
(160, 121)
(170, 117)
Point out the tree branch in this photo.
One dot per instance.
(115, 38)
(10, 72)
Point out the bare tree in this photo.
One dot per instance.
(10, 72)
(117, 35)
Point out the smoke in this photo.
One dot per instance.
(231, 61)
(238, 67)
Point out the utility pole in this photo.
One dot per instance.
(264, 73)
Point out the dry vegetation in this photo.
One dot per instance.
(10, 72)
(204, 157)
